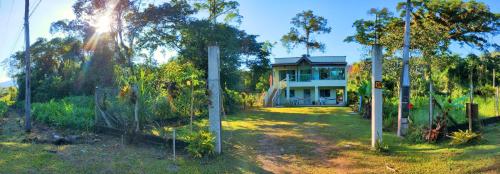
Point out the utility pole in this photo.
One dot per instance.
(214, 108)
(404, 95)
(376, 95)
(496, 94)
(28, 68)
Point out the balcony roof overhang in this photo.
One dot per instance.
(313, 61)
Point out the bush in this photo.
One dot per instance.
(200, 144)
(416, 134)
(3, 108)
(70, 113)
(390, 114)
(464, 138)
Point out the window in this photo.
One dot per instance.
(307, 93)
(324, 93)
(305, 75)
(323, 73)
(332, 73)
(292, 93)
(291, 74)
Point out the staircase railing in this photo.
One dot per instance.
(269, 94)
(282, 84)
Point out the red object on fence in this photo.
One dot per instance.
(410, 106)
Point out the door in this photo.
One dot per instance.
(307, 96)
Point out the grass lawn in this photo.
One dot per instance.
(268, 140)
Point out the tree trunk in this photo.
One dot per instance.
(191, 108)
(136, 108)
(431, 91)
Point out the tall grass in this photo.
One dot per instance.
(486, 106)
(419, 115)
(76, 112)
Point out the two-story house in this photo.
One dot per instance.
(319, 80)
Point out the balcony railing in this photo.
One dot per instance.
(305, 77)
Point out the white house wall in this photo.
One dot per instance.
(299, 93)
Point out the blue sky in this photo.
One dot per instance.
(270, 19)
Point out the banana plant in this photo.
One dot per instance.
(364, 91)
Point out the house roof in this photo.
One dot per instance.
(316, 60)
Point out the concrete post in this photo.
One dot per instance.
(346, 103)
(376, 95)
(316, 95)
(287, 88)
(346, 80)
(404, 92)
(214, 109)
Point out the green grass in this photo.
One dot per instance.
(420, 113)
(278, 140)
(73, 113)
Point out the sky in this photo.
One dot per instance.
(270, 19)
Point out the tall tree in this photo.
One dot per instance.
(218, 8)
(55, 68)
(370, 31)
(309, 24)
(260, 66)
(198, 35)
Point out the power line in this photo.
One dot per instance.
(22, 28)
(34, 8)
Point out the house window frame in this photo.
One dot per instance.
(323, 92)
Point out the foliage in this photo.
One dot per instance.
(217, 8)
(464, 138)
(8, 95)
(198, 35)
(166, 93)
(381, 147)
(55, 63)
(3, 109)
(364, 90)
(260, 68)
(369, 32)
(200, 144)
(390, 114)
(309, 24)
(415, 134)
(75, 112)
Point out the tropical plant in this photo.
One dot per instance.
(3, 109)
(200, 144)
(364, 91)
(72, 113)
(464, 138)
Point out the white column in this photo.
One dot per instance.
(287, 88)
(345, 91)
(214, 109)
(345, 96)
(316, 95)
(376, 95)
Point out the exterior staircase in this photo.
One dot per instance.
(270, 99)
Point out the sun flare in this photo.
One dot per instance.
(103, 24)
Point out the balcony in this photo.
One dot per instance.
(305, 78)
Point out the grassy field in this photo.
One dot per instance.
(268, 140)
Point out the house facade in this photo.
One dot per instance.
(319, 80)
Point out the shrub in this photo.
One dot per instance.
(3, 108)
(390, 114)
(200, 143)
(415, 134)
(464, 138)
(381, 147)
(71, 113)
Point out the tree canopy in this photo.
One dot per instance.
(305, 24)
